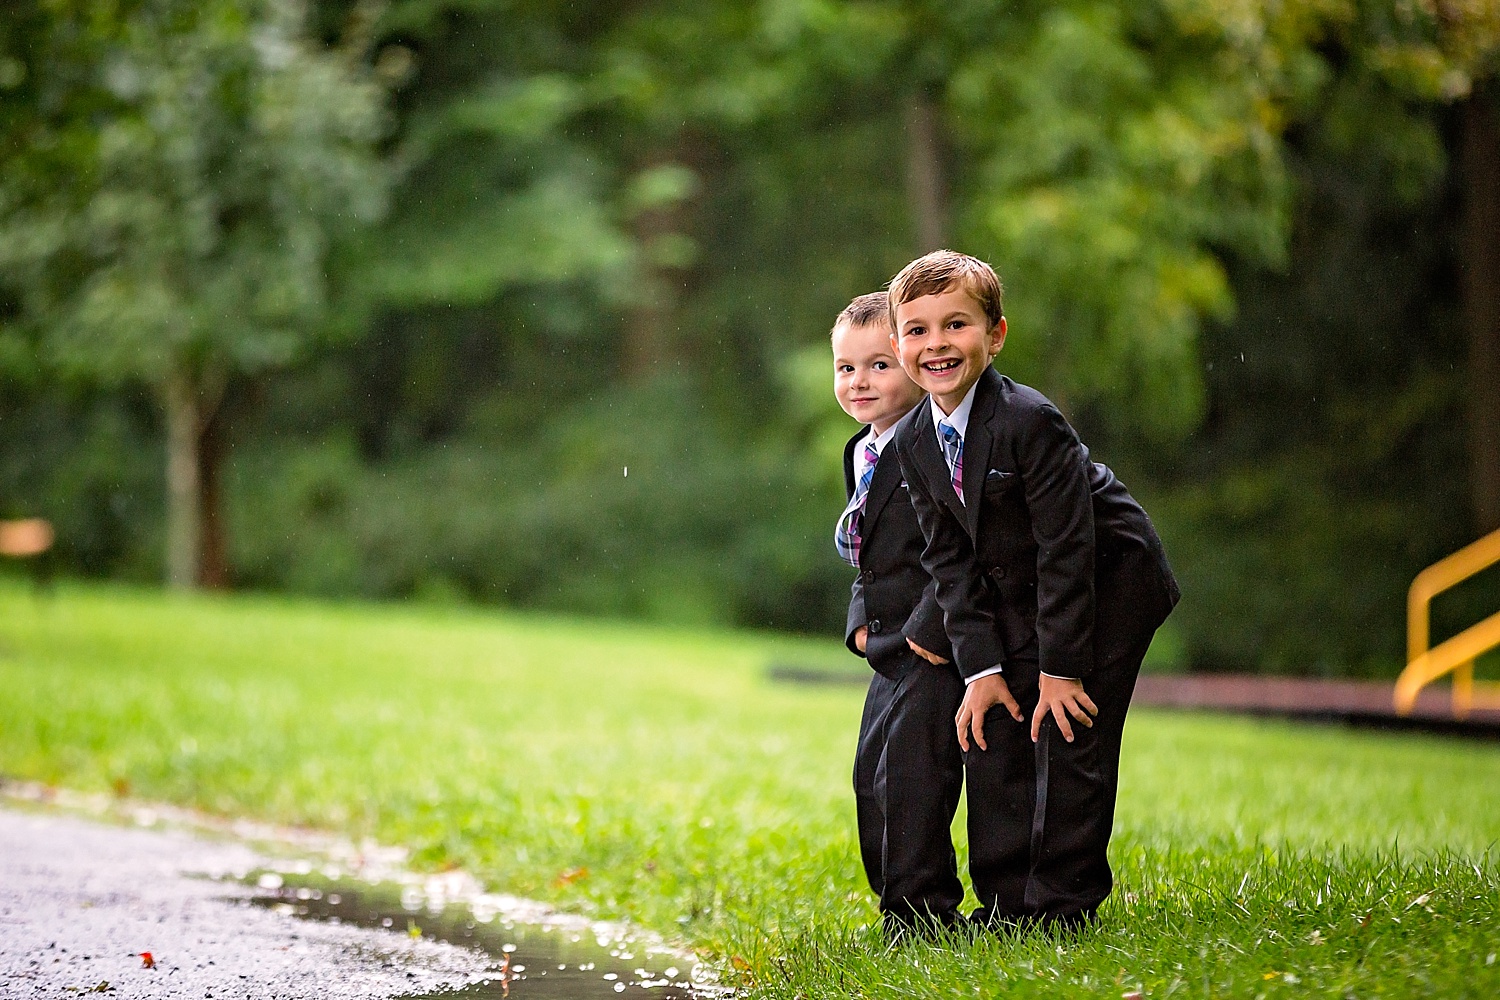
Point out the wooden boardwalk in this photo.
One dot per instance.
(1360, 703)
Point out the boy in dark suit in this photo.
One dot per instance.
(1052, 581)
(908, 769)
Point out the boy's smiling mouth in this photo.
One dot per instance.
(941, 365)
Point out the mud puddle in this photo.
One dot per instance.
(536, 954)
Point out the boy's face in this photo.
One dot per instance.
(945, 342)
(867, 379)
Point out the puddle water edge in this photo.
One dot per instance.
(537, 953)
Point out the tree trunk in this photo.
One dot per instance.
(650, 338)
(647, 333)
(184, 501)
(1480, 265)
(213, 447)
(926, 189)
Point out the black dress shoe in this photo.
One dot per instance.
(920, 926)
(1070, 923)
(985, 919)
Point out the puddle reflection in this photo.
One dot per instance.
(562, 960)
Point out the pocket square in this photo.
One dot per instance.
(997, 474)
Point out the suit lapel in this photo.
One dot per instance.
(887, 480)
(933, 463)
(978, 442)
(849, 462)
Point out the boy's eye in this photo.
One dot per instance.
(843, 369)
(880, 366)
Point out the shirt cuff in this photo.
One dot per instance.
(1058, 677)
(997, 668)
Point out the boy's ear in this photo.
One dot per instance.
(896, 350)
(997, 337)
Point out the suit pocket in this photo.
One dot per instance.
(998, 483)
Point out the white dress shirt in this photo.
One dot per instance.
(958, 419)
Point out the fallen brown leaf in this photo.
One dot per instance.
(570, 875)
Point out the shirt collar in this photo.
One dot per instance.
(959, 418)
(879, 441)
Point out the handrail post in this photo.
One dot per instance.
(1420, 669)
(1417, 626)
(1463, 690)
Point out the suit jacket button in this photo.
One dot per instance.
(874, 627)
(997, 572)
(867, 576)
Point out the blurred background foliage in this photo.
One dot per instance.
(528, 303)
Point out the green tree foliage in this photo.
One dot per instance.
(1129, 143)
(585, 356)
(175, 173)
(742, 171)
(495, 189)
(1337, 456)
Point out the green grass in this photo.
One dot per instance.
(1253, 858)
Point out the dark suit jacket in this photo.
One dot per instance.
(1049, 559)
(892, 595)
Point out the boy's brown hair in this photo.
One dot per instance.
(865, 310)
(939, 271)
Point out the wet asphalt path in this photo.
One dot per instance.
(79, 902)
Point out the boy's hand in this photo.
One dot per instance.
(932, 658)
(979, 698)
(861, 638)
(1062, 697)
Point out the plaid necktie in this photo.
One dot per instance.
(846, 536)
(953, 451)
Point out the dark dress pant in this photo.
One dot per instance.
(908, 775)
(1040, 815)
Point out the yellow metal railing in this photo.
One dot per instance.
(1456, 655)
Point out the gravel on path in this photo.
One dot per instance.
(80, 901)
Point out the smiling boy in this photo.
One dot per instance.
(908, 769)
(1052, 582)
